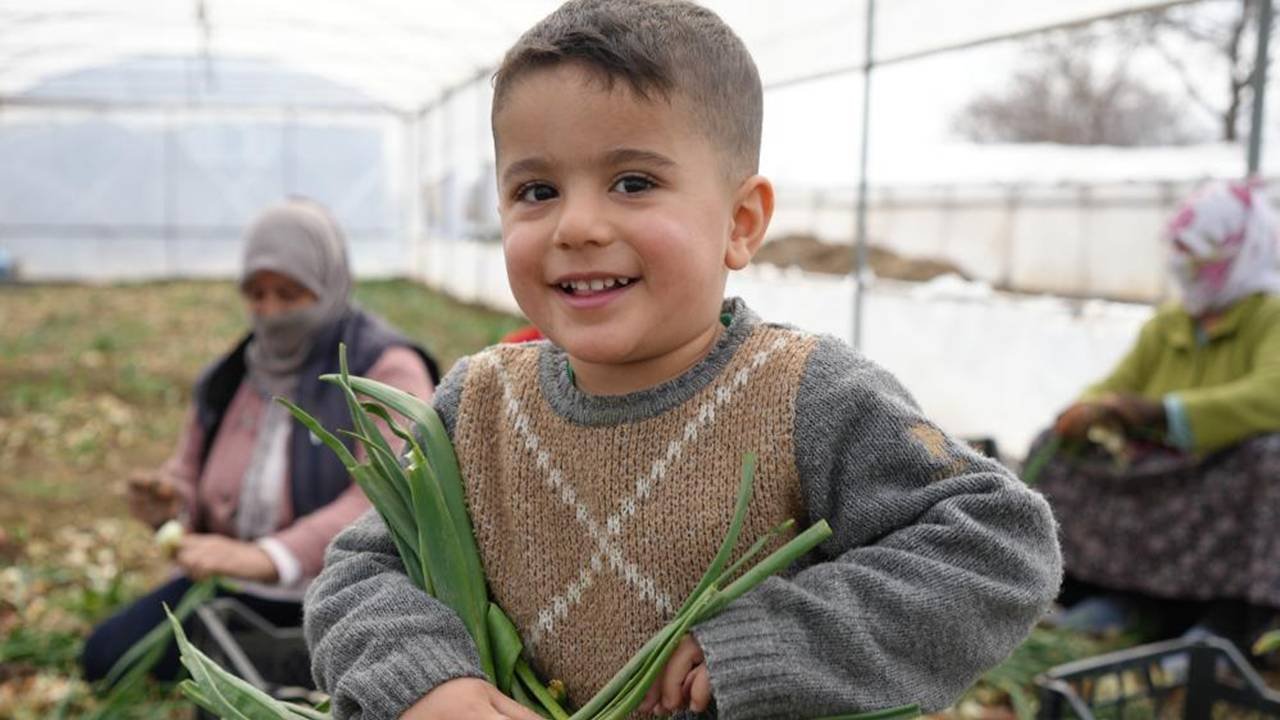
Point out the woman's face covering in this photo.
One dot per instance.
(269, 293)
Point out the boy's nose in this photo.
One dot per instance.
(581, 222)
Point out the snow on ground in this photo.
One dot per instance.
(904, 164)
(987, 363)
(980, 362)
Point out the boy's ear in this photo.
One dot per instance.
(752, 210)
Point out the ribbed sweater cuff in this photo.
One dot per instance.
(746, 662)
(391, 689)
(1177, 424)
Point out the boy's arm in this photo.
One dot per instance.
(378, 643)
(940, 563)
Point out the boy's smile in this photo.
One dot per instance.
(591, 289)
(619, 225)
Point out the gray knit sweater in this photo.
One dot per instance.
(939, 564)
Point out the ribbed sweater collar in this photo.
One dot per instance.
(584, 408)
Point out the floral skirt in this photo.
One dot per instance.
(1172, 526)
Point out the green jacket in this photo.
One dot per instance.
(1218, 386)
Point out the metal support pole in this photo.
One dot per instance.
(428, 189)
(288, 154)
(1259, 87)
(860, 262)
(448, 212)
(168, 210)
(476, 195)
(411, 129)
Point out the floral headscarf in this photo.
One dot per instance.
(1224, 246)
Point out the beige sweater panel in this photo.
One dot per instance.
(591, 537)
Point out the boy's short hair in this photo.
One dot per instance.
(671, 48)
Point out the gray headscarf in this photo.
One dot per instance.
(299, 239)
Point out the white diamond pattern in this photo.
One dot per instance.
(607, 549)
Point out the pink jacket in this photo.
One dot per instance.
(297, 547)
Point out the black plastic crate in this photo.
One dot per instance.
(271, 658)
(1201, 679)
(984, 445)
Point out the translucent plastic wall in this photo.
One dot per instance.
(91, 193)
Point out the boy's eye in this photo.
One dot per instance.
(633, 184)
(536, 192)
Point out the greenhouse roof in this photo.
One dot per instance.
(402, 55)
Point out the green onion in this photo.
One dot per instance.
(1267, 643)
(225, 695)
(421, 499)
(1035, 464)
(138, 661)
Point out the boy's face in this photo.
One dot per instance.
(618, 225)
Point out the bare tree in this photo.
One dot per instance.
(1062, 93)
(1227, 30)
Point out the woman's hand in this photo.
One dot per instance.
(1075, 421)
(1135, 411)
(152, 499)
(465, 699)
(683, 684)
(202, 556)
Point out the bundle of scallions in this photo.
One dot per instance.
(421, 500)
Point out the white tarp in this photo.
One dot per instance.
(406, 52)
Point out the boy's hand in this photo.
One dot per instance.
(683, 684)
(467, 699)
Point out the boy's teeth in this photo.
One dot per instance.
(595, 285)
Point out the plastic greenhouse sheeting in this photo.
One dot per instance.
(405, 53)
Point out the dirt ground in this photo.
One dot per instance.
(807, 252)
(94, 382)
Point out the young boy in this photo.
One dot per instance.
(601, 465)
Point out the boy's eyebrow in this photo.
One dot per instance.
(522, 166)
(620, 156)
(629, 155)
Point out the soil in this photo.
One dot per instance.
(809, 253)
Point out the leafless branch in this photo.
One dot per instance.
(1184, 77)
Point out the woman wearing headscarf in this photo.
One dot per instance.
(259, 496)
(1167, 482)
